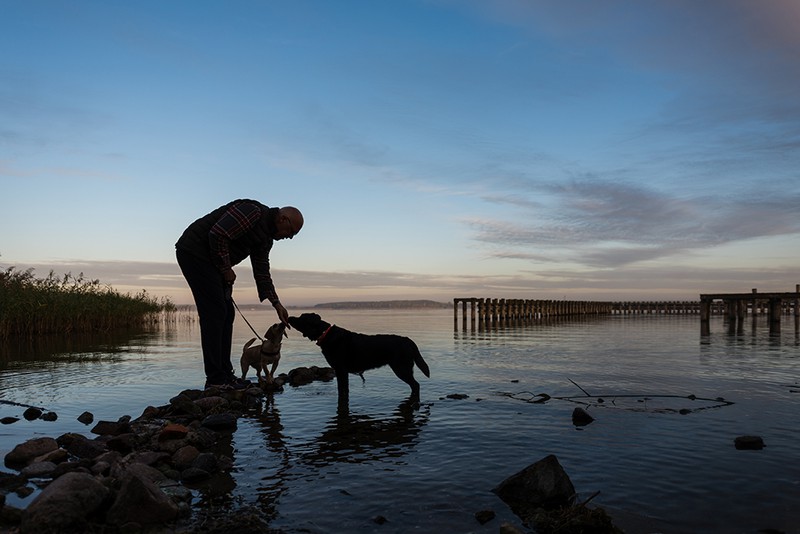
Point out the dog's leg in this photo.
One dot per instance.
(405, 372)
(244, 366)
(343, 386)
(271, 375)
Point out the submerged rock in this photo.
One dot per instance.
(581, 417)
(86, 418)
(543, 497)
(749, 443)
(543, 484)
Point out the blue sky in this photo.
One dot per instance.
(591, 150)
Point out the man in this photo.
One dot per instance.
(207, 252)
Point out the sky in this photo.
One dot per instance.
(553, 149)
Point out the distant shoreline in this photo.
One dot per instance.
(349, 305)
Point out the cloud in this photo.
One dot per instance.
(609, 224)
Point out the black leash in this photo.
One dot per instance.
(245, 320)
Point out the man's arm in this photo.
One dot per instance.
(266, 288)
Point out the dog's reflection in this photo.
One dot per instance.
(355, 438)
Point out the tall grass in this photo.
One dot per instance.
(31, 306)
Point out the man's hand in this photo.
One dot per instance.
(229, 276)
(283, 315)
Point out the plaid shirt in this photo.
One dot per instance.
(241, 225)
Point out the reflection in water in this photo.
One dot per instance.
(354, 438)
(274, 483)
(83, 346)
(66, 347)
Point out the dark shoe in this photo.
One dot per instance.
(242, 382)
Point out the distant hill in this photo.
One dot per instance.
(383, 305)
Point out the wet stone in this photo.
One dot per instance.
(86, 418)
(32, 413)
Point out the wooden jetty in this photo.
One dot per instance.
(737, 306)
(490, 312)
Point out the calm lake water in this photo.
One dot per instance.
(304, 468)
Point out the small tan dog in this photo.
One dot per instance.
(268, 353)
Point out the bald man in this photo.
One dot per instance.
(207, 252)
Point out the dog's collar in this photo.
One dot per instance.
(270, 353)
(325, 333)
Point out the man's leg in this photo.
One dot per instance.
(215, 312)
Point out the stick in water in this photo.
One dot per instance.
(580, 388)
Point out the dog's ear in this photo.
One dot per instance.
(315, 316)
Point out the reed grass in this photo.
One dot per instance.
(31, 306)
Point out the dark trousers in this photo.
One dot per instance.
(215, 310)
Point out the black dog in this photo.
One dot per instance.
(350, 352)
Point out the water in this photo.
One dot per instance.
(304, 468)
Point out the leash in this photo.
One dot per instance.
(246, 321)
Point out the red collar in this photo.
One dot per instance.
(325, 333)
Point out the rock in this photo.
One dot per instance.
(581, 417)
(10, 482)
(220, 422)
(24, 453)
(150, 412)
(148, 457)
(111, 428)
(458, 396)
(203, 438)
(49, 416)
(9, 420)
(184, 404)
(32, 413)
(749, 443)
(173, 431)
(206, 461)
(484, 516)
(184, 457)
(301, 376)
(543, 484)
(213, 402)
(86, 418)
(140, 502)
(81, 446)
(38, 470)
(123, 443)
(64, 504)
(508, 528)
(57, 456)
(68, 467)
(194, 474)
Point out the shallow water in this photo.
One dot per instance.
(303, 467)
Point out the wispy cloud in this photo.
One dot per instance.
(608, 224)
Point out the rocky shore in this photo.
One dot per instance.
(138, 475)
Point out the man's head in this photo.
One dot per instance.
(288, 222)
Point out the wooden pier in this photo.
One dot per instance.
(737, 306)
(487, 312)
(490, 313)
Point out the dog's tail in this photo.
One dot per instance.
(421, 363)
(247, 345)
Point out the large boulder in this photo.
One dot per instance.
(26, 452)
(542, 485)
(65, 504)
(140, 501)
